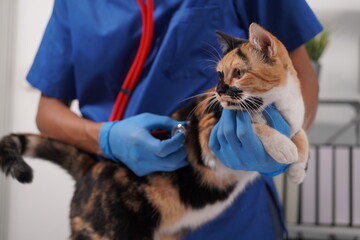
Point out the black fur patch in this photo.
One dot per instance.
(192, 138)
(221, 76)
(253, 103)
(242, 55)
(23, 142)
(48, 151)
(196, 194)
(229, 42)
(235, 92)
(108, 215)
(11, 161)
(80, 236)
(224, 89)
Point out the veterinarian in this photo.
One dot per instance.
(87, 50)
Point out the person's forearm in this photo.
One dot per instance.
(309, 84)
(56, 120)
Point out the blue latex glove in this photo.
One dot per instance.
(130, 141)
(233, 141)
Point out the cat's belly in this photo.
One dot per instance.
(194, 218)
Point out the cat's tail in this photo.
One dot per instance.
(14, 146)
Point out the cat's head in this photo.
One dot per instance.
(252, 72)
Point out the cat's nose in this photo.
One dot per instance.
(222, 88)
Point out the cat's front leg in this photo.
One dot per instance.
(297, 171)
(276, 144)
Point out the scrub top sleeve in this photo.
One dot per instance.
(52, 71)
(291, 21)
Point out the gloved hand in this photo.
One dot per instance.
(130, 141)
(233, 141)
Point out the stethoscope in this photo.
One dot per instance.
(132, 76)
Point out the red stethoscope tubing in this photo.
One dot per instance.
(138, 63)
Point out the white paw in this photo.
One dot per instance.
(210, 160)
(296, 173)
(282, 149)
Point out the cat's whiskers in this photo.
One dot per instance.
(254, 101)
(242, 104)
(212, 66)
(215, 56)
(211, 54)
(218, 57)
(267, 113)
(199, 95)
(206, 100)
(262, 109)
(247, 108)
(210, 60)
(212, 103)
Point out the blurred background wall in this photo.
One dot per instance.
(339, 76)
(40, 210)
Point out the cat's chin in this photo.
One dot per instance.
(231, 105)
(251, 103)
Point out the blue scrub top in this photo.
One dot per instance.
(89, 45)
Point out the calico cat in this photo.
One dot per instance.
(111, 202)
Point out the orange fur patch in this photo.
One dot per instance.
(165, 197)
(79, 225)
(169, 237)
(121, 177)
(89, 206)
(301, 141)
(97, 169)
(208, 176)
(206, 124)
(263, 129)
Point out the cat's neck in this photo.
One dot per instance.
(288, 100)
(291, 104)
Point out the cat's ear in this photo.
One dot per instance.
(228, 42)
(262, 39)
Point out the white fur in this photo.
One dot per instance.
(296, 172)
(220, 170)
(209, 160)
(197, 217)
(295, 111)
(280, 147)
(288, 100)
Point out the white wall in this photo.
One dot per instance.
(40, 210)
(6, 39)
(337, 5)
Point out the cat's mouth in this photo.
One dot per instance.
(249, 103)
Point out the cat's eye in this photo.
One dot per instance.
(238, 73)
